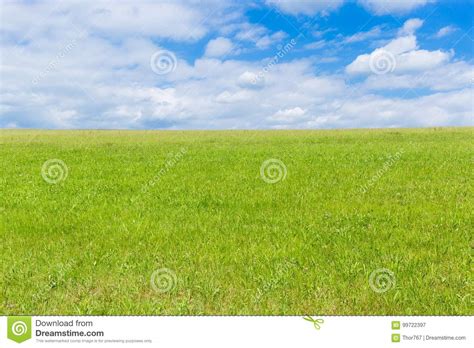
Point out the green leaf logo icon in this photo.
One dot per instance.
(19, 329)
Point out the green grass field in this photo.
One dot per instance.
(353, 205)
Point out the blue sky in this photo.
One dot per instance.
(209, 64)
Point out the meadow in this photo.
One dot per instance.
(341, 222)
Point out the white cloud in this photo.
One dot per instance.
(257, 34)
(363, 36)
(268, 40)
(250, 32)
(318, 34)
(384, 7)
(440, 109)
(410, 26)
(445, 31)
(219, 47)
(105, 81)
(402, 44)
(411, 68)
(324, 7)
(316, 45)
(289, 115)
(227, 97)
(447, 77)
(213, 94)
(421, 60)
(125, 18)
(400, 55)
(250, 80)
(309, 8)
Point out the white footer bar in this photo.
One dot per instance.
(218, 331)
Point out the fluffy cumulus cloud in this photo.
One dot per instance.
(402, 65)
(219, 47)
(400, 55)
(250, 80)
(158, 19)
(75, 69)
